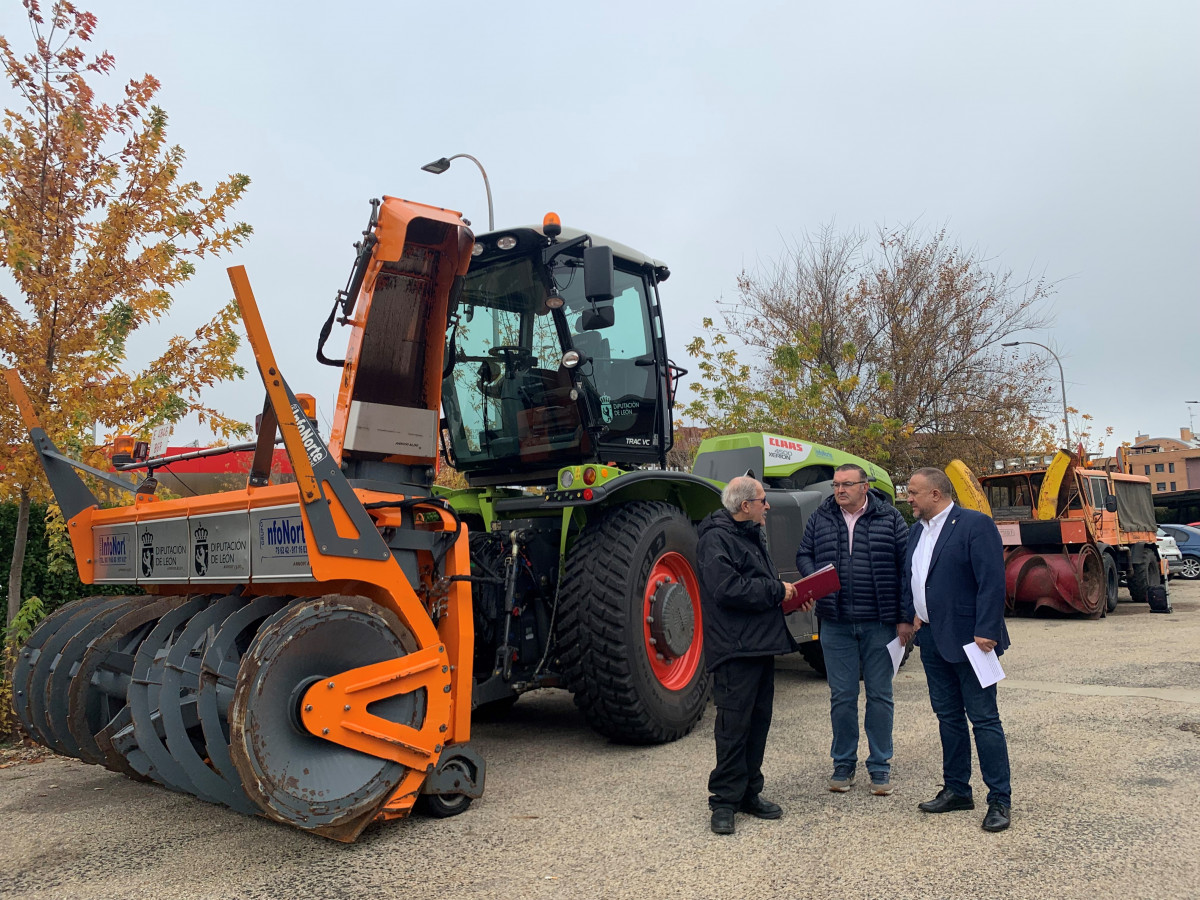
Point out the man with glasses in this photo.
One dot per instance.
(865, 538)
(741, 600)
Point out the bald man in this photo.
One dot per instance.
(956, 597)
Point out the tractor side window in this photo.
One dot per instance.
(1099, 492)
(628, 337)
(625, 391)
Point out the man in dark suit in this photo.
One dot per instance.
(956, 597)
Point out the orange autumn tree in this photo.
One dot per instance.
(96, 229)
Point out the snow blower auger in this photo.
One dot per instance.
(303, 650)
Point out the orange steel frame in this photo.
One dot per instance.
(442, 664)
(394, 217)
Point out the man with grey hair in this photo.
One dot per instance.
(956, 598)
(741, 599)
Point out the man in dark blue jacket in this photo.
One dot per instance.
(741, 604)
(865, 538)
(956, 597)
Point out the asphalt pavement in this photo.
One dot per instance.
(1103, 722)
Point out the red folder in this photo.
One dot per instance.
(820, 583)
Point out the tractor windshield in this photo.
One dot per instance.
(511, 407)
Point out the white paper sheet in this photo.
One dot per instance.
(896, 649)
(986, 665)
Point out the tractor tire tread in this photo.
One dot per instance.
(596, 660)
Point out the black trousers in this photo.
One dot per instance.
(744, 692)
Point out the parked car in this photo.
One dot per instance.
(1169, 550)
(1187, 538)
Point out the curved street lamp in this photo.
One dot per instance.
(1061, 380)
(438, 166)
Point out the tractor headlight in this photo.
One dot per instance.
(506, 243)
(567, 479)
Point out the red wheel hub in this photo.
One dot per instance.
(671, 623)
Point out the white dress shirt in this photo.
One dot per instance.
(923, 556)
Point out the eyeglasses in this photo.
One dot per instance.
(845, 485)
(758, 500)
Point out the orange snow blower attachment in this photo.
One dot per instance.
(303, 650)
(1069, 532)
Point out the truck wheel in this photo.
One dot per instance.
(630, 638)
(814, 656)
(1144, 575)
(1110, 583)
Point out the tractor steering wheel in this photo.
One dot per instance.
(514, 357)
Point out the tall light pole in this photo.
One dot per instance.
(438, 166)
(1061, 380)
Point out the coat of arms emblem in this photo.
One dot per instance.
(200, 555)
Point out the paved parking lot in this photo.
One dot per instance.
(1103, 719)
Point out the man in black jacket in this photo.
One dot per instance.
(865, 538)
(741, 601)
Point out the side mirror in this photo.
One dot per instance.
(600, 317)
(598, 282)
(1110, 503)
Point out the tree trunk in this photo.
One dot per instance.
(18, 558)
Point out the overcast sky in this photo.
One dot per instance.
(1058, 138)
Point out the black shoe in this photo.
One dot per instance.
(722, 820)
(996, 818)
(761, 809)
(946, 801)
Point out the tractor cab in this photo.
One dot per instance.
(554, 357)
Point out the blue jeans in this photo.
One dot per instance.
(955, 695)
(854, 649)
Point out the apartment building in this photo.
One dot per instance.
(1171, 464)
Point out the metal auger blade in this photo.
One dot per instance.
(99, 689)
(178, 706)
(31, 653)
(50, 659)
(114, 758)
(58, 689)
(142, 743)
(294, 776)
(218, 678)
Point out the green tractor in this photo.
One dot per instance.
(304, 650)
(557, 400)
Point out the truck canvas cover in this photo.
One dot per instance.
(1135, 507)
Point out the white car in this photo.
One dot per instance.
(1169, 550)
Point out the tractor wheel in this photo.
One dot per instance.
(629, 635)
(1144, 575)
(1111, 580)
(814, 655)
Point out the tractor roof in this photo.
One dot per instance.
(621, 251)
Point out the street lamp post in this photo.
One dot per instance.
(1061, 380)
(438, 166)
